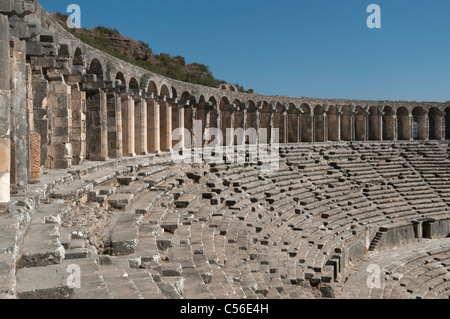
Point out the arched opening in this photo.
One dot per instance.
(278, 123)
(333, 124)
(265, 123)
(435, 124)
(134, 85)
(252, 121)
(374, 124)
(319, 124)
(419, 129)
(388, 124)
(96, 68)
(307, 133)
(78, 57)
(293, 124)
(225, 115)
(346, 124)
(165, 91)
(403, 124)
(121, 77)
(152, 88)
(360, 124)
(174, 93)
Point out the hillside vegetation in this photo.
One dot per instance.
(139, 53)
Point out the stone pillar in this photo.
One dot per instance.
(313, 128)
(140, 120)
(35, 150)
(41, 121)
(60, 115)
(114, 119)
(352, 127)
(284, 121)
(166, 125)
(78, 137)
(104, 126)
(19, 124)
(4, 115)
(153, 129)
(395, 119)
(443, 126)
(178, 122)
(381, 114)
(128, 128)
(427, 127)
(325, 127)
(299, 127)
(339, 125)
(411, 127)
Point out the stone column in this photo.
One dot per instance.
(128, 125)
(140, 120)
(178, 122)
(153, 137)
(427, 127)
(325, 127)
(299, 126)
(19, 125)
(411, 127)
(104, 126)
(339, 126)
(443, 126)
(395, 120)
(165, 125)
(115, 137)
(60, 114)
(313, 128)
(4, 115)
(78, 137)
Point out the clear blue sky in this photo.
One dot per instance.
(312, 48)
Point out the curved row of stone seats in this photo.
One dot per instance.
(416, 271)
(433, 164)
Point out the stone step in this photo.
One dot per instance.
(49, 282)
(50, 214)
(74, 191)
(121, 200)
(41, 246)
(125, 234)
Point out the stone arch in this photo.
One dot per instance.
(164, 91)
(133, 84)
(226, 117)
(121, 77)
(420, 123)
(95, 67)
(435, 124)
(403, 124)
(388, 130)
(307, 134)
(213, 118)
(174, 92)
(78, 58)
(152, 87)
(319, 124)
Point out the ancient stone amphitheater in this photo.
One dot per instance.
(93, 206)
